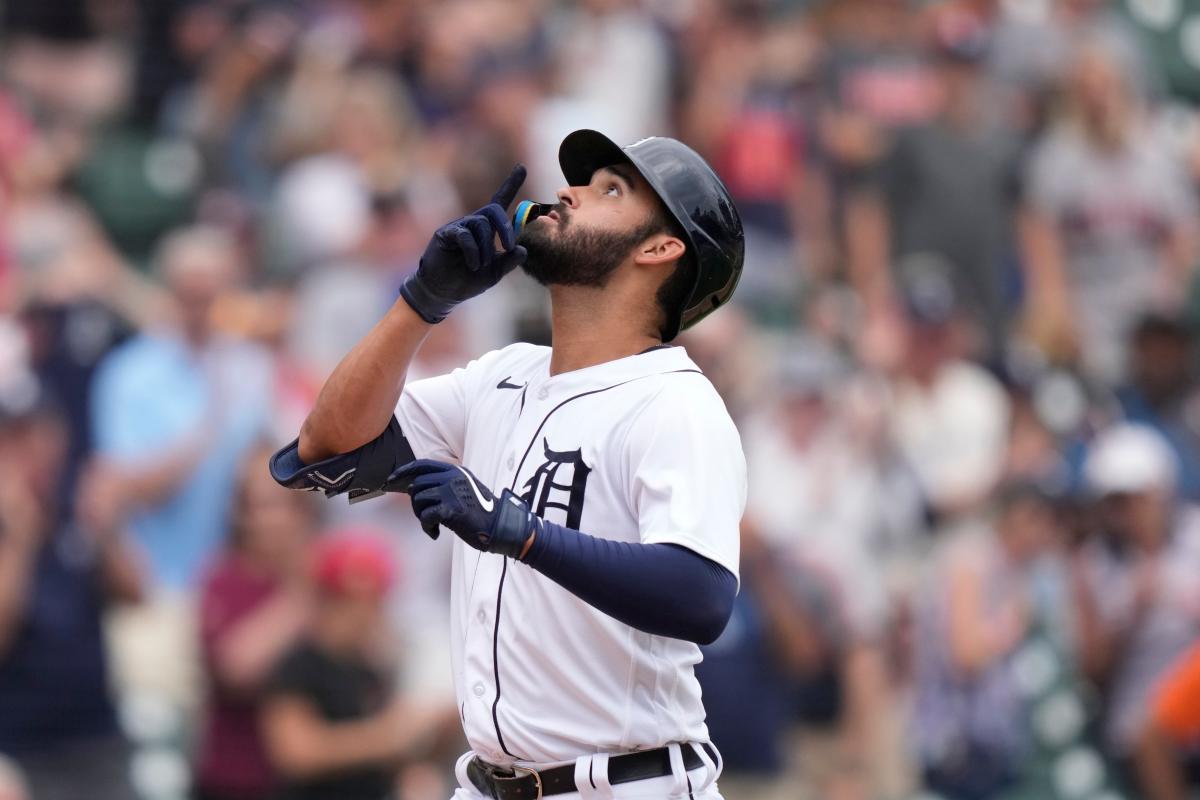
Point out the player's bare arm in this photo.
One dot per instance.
(461, 261)
(356, 401)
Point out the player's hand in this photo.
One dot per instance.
(461, 260)
(449, 495)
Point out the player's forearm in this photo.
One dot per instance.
(663, 589)
(358, 399)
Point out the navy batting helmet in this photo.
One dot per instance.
(694, 196)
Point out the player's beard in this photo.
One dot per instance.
(562, 254)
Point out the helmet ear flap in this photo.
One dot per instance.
(674, 295)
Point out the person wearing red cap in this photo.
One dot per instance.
(333, 726)
(353, 564)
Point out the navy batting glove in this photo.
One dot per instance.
(461, 260)
(449, 495)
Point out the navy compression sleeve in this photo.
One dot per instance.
(663, 589)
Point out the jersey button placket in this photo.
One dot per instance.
(479, 689)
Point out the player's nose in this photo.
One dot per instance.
(568, 196)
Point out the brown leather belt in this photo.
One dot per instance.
(519, 783)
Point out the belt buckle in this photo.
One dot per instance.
(537, 778)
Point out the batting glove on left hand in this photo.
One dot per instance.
(449, 495)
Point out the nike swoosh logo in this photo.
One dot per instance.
(504, 384)
(487, 504)
(331, 482)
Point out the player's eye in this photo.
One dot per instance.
(613, 190)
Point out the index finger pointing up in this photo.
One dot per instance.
(508, 190)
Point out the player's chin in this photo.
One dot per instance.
(548, 266)
(583, 258)
(560, 273)
(541, 256)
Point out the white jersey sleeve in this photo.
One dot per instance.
(434, 412)
(686, 471)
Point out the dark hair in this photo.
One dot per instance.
(677, 287)
(1154, 325)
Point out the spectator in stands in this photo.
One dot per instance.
(62, 562)
(874, 79)
(333, 725)
(174, 411)
(69, 337)
(948, 187)
(751, 111)
(1033, 45)
(747, 693)
(858, 137)
(825, 497)
(1136, 592)
(991, 588)
(1161, 369)
(253, 606)
(370, 159)
(950, 417)
(1109, 229)
(1167, 754)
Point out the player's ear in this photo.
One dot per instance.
(660, 248)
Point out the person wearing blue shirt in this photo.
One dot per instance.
(174, 410)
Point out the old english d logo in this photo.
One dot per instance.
(559, 482)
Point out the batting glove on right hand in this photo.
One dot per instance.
(461, 260)
(450, 495)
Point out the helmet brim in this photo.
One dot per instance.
(585, 151)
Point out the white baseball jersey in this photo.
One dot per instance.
(640, 449)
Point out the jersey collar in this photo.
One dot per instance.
(654, 361)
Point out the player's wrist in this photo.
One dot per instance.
(513, 528)
(533, 530)
(428, 304)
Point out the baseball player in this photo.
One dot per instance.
(595, 487)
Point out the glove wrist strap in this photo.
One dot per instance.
(513, 524)
(429, 306)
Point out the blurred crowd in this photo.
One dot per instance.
(963, 359)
